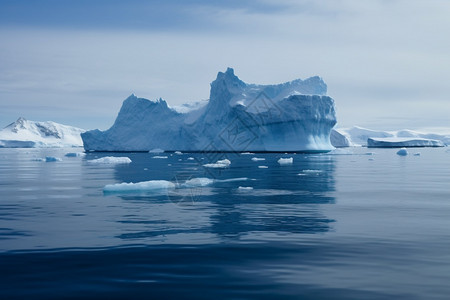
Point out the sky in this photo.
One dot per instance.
(386, 62)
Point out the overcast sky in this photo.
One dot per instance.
(386, 63)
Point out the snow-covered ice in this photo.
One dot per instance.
(263, 167)
(245, 188)
(160, 157)
(224, 163)
(258, 158)
(143, 186)
(293, 116)
(110, 160)
(29, 134)
(286, 161)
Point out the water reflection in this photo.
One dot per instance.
(280, 200)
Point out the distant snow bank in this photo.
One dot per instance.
(359, 136)
(29, 134)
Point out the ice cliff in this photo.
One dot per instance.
(293, 116)
(29, 134)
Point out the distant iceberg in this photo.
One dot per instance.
(293, 116)
(402, 142)
(29, 134)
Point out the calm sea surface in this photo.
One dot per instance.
(358, 225)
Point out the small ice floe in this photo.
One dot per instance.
(309, 172)
(245, 188)
(156, 150)
(159, 157)
(52, 159)
(402, 152)
(144, 186)
(180, 159)
(190, 158)
(258, 158)
(263, 167)
(178, 153)
(224, 163)
(38, 159)
(247, 153)
(371, 159)
(169, 165)
(111, 160)
(198, 182)
(417, 154)
(286, 161)
(370, 153)
(75, 154)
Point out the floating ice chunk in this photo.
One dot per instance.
(190, 158)
(312, 171)
(75, 154)
(257, 158)
(245, 188)
(370, 153)
(52, 159)
(110, 160)
(402, 142)
(231, 179)
(156, 150)
(286, 161)
(195, 182)
(139, 186)
(263, 167)
(371, 159)
(160, 157)
(247, 153)
(224, 163)
(417, 154)
(402, 152)
(178, 153)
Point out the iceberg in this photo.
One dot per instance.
(144, 186)
(402, 142)
(221, 164)
(402, 152)
(359, 136)
(286, 161)
(295, 116)
(29, 134)
(110, 160)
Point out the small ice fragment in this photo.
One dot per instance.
(160, 157)
(75, 154)
(257, 159)
(110, 160)
(245, 188)
(247, 153)
(145, 169)
(52, 159)
(263, 167)
(180, 159)
(371, 159)
(286, 161)
(402, 152)
(156, 150)
(178, 153)
(417, 154)
(169, 165)
(198, 182)
(370, 153)
(224, 163)
(190, 158)
(38, 159)
(312, 171)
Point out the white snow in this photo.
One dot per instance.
(402, 152)
(258, 158)
(237, 117)
(29, 134)
(110, 160)
(224, 163)
(143, 186)
(286, 161)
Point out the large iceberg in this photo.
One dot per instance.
(29, 134)
(293, 116)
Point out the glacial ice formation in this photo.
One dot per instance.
(293, 116)
(29, 134)
(402, 142)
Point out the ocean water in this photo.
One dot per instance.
(356, 224)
